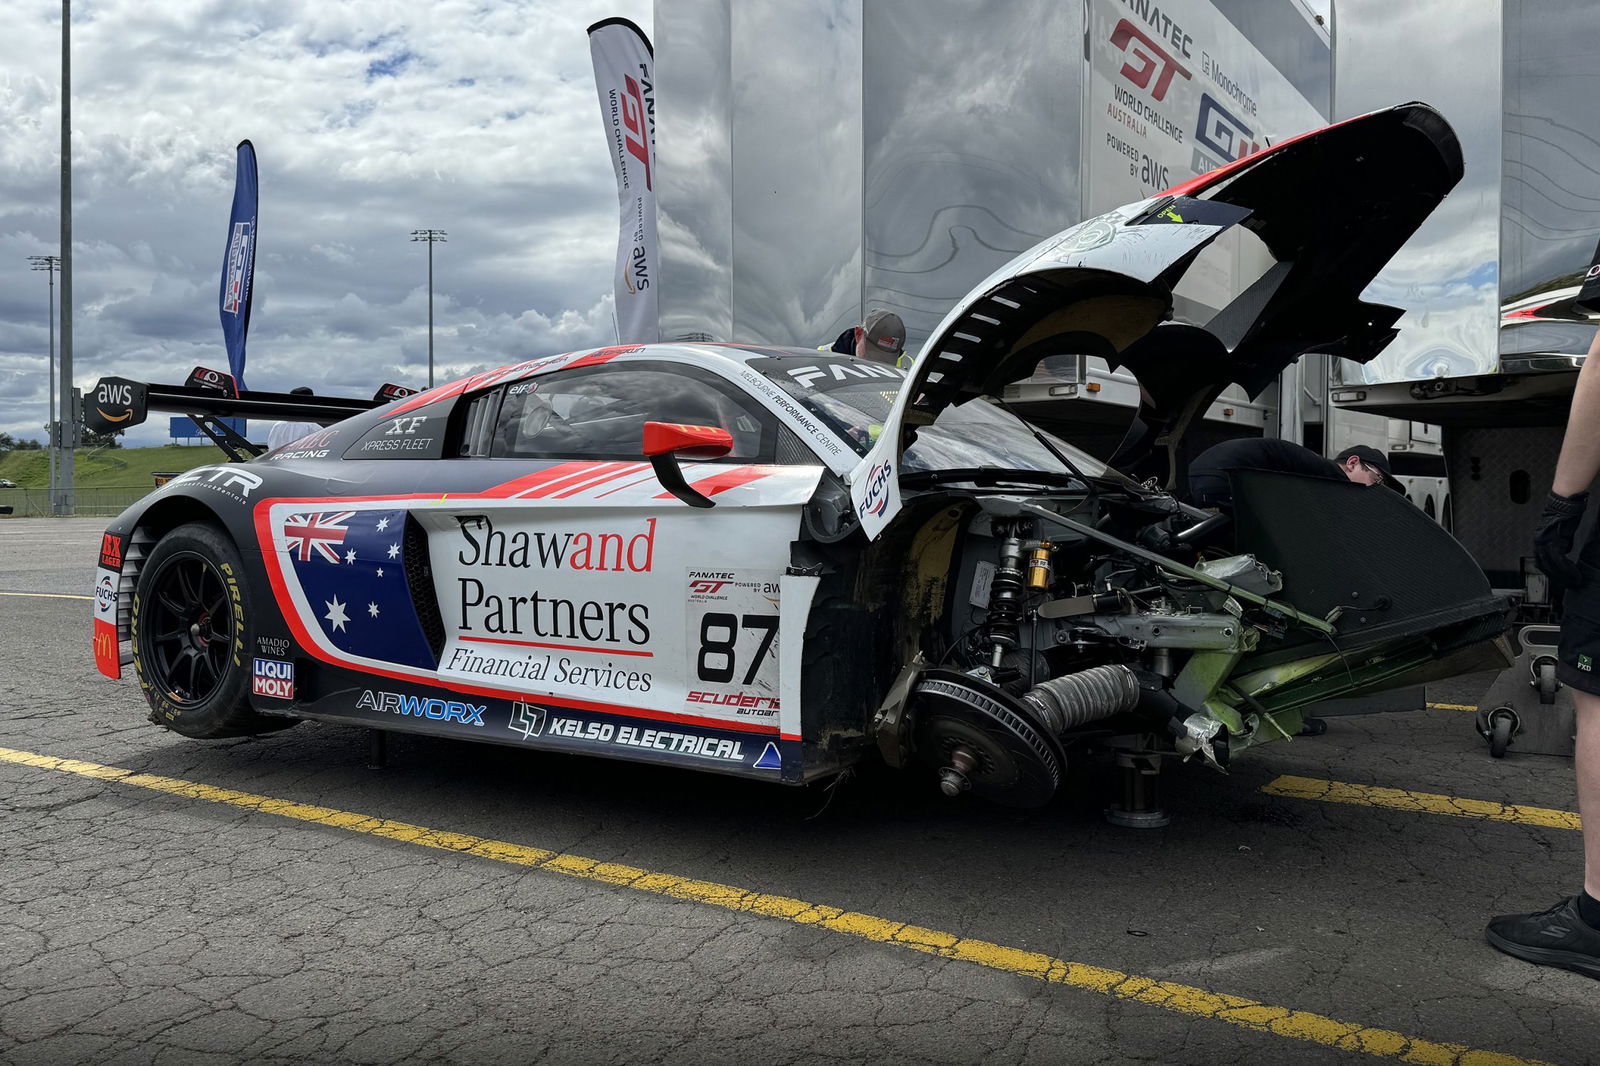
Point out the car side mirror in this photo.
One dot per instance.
(665, 442)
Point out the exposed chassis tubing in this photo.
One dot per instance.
(1178, 568)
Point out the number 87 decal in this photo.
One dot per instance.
(719, 635)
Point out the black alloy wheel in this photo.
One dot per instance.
(191, 627)
(191, 624)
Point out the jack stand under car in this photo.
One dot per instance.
(1139, 787)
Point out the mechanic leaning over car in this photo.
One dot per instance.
(1568, 934)
(1208, 473)
(881, 337)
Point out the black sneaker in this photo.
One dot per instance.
(1556, 937)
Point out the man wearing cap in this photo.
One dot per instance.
(881, 337)
(1208, 473)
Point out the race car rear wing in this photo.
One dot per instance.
(209, 396)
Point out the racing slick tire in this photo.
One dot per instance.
(190, 621)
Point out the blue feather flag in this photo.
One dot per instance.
(239, 262)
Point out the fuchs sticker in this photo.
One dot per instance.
(272, 677)
(877, 497)
(1585, 663)
(105, 596)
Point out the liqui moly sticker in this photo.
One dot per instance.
(273, 678)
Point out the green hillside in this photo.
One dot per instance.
(107, 480)
(95, 468)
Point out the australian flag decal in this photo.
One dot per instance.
(351, 566)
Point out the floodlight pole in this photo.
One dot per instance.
(65, 498)
(431, 237)
(51, 264)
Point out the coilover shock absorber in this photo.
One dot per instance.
(1005, 600)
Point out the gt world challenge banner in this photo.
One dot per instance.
(239, 262)
(624, 76)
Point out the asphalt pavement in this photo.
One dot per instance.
(272, 900)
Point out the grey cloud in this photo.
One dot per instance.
(370, 118)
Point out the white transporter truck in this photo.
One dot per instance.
(940, 138)
(1492, 346)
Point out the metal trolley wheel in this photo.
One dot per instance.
(1498, 726)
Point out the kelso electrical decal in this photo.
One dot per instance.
(681, 744)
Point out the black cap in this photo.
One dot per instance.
(1370, 456)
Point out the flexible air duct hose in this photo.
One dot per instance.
(1064, 703)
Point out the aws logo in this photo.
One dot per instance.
(116, 395)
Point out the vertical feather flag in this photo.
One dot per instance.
(624, 76)
(239, 262)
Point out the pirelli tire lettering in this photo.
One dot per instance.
(189, 626)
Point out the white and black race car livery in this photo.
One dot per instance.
(779, 562)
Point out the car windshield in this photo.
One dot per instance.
(982, 434)
(853, 398)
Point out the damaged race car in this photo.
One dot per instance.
(777, 563)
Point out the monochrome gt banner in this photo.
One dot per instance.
(624, 76)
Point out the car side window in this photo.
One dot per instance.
(600, 413)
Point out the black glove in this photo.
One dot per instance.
(1552, 540)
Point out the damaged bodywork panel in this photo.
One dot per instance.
(1220, 637)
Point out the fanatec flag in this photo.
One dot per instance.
(239, 262)
(624, 75)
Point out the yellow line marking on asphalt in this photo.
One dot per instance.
(1400, 799)
(49, 595)
(1453, 706)
(1183, 999)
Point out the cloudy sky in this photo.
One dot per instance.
(370, 118)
